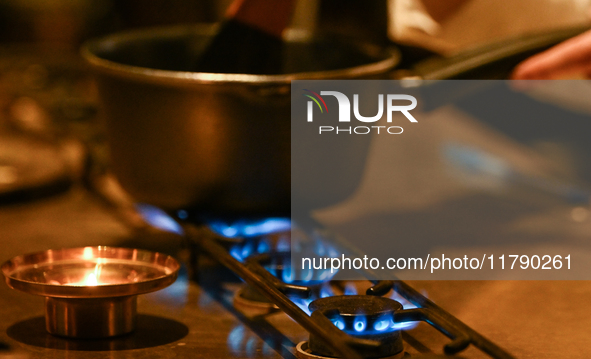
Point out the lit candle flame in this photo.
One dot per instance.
(91, 280)
(92, 277)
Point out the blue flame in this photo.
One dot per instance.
(382, 324)
(307, 274)
(251, 228)
(229, 231)
(283, 245)
(303, 304)
(350, 289)
(236, 252)
(287, 277)
(359, 324)
(258, 245)
(264, 246)
(158, 218)
(339, 323)
(310, 276)
(247, 250)
(405, 305)
(326, 291)
(402, 325)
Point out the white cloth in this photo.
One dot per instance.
(481, 21)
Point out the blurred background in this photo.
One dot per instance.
(46, 91)
(52, 136)
(56, 188)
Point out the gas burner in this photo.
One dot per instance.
(351, 326)
(364, 317)
(272, 243)
(252, 303)
(248, 228)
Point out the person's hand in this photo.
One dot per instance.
(569, 58)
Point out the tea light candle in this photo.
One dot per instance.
(83, 301)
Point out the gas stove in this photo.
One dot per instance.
(234, 296)
(209, 312)
(357, 319)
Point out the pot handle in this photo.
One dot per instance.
(492, 61)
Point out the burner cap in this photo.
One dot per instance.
(367, 305)
(362, 316)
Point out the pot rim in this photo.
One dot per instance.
(89, 49)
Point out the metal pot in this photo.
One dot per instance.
(216, 143)
(220, 143)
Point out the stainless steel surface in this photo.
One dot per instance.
(90, 292)
(545, 319)
(90, 317)
(215, 142)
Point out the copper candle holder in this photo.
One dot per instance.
(90, 292)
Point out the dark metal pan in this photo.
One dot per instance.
(220, 143)
(215, 143)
